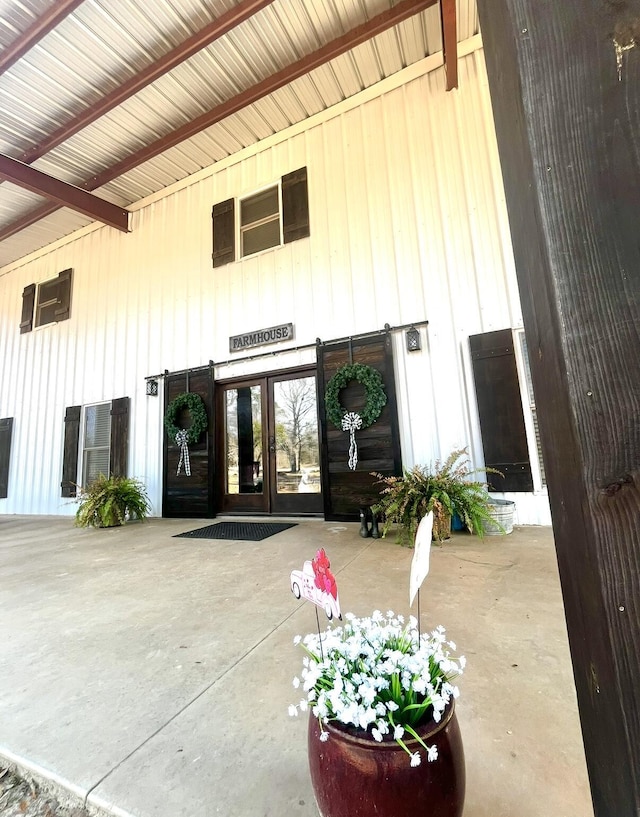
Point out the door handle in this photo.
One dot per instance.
(272, 445)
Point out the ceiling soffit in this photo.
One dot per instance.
(173, 70)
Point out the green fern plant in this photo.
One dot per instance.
(446, 489)
(110, 501)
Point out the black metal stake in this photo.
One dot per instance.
(319, 636)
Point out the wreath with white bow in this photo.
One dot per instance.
(353, 421)
(183, 437)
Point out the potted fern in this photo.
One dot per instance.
(110, 501)
(446, 489)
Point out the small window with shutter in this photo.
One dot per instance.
(271, 217)
(96, 441)
(46, 302)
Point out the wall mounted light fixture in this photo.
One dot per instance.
(152, 388)
(413, 340)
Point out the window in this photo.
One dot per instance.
(47, 302)
(96, 436)
(260, 221)
(533, 432)
(276, 215)
(96, 441)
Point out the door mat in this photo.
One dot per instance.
(239, 531)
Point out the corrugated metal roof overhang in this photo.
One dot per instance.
(93, 50)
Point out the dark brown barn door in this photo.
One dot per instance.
(182, 495)
(345, 491)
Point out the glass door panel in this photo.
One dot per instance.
(244, 445)
(297, 451)
(294, 436)
(268, 448)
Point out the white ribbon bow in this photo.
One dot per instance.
(181, 440)
(351, 422)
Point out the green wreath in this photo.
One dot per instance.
(199, 419)
(371, 380)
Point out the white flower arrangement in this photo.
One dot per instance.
(379, 675)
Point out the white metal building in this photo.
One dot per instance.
(406, 226)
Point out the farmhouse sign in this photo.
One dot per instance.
(275, 334)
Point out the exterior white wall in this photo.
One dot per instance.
(408, 222)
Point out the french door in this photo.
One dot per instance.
(268, 446)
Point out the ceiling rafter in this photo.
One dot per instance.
(449, 41)
(210, 33)
(356, 36)
(65, 194)
(36, 31)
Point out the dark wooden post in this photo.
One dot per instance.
(565, 86)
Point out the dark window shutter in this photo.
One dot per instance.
(295, 206)
(224, 233)
(28, 304)
(6, 427)
(65, 279)
(70, 455)
(504, 437)
(119, 449)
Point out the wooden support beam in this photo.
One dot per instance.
(207, 35)
(41, 26)
(65, 194)
(565, 87)
(449, 41)
(360, 34)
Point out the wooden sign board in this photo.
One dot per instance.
(261, 337)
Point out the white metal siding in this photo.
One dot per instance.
(408, 222)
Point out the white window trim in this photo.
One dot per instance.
(81, 448)
(238, 225)
(538, 487)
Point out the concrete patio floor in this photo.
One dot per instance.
(151, 675)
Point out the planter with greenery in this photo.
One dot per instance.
(446, 489)
(383, 737)
(111, 501)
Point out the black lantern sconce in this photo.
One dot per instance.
(152, 387)
(413, 340)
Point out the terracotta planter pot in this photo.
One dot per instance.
(358, 777)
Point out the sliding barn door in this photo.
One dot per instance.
(344, 490)
(189, 496)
